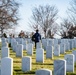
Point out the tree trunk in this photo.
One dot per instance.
(1, 32)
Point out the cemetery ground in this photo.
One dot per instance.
(48, 63)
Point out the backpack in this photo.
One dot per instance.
(32, 38)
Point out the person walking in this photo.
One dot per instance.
(36, 37)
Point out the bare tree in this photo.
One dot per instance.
(8, 14)
(43, 17)
(66, 29)
(72, 11)
(68, 26)
(52, 30)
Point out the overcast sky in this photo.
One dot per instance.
(25, 10)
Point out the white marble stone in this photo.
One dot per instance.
(73, 43)
(4, 44)
(19, 51)
(66, 46)
(43, 72)
(24, 44)
(56, 50)
(39, 45)
(7, 66)
(69, 62)
(17, 39)
(26, 63)
(74, 52)
(49, 52)
(28, 40)
(70, 43)
(62, 48)
(12, 41)
(20, 41)
(15, 43)
(49, 42)
(26, 47)
(55, 42)
(44, 43)
(59, 41)
(3, 39)
(40, 55)
(9, 39)
(4, 52)
(59, 67)
(63, 41)
(30, 49)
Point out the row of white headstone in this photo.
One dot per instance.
(68, 43)
(40, 58)
(60, 66)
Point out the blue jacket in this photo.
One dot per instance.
(37, 37)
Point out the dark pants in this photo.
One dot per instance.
(35, 44)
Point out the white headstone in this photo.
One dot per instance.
(49, 52)
(59, 41)
(56, 50)
(15, 46)
(44, 43)
(20, 41)
(39, 45)
(63, 41)
(7, 66)
(4, 52)
(29, 40)
(26, 63)
(70, 41)
(12, 41)
(75, 42)
(4, 44)
(19, 50)
(62, 48)
(59, 67)
(40, 55)
(74, 52)
(3, 39)
(49, 42)
(17, 39)
(55, 42)
(43, 72)
(30, 49)
(69, 62)
(24, 44)
(66, 46)
(9, 39)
